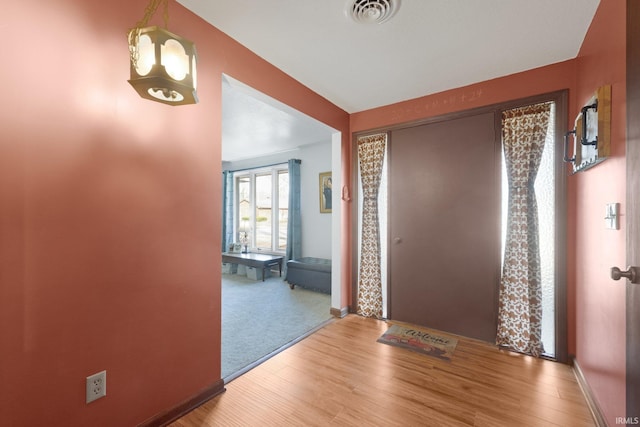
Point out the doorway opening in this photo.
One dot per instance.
(259, 136)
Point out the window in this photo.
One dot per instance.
(545, 191)
(262, 207)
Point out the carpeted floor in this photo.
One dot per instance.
(260, 317)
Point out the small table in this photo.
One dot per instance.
(262, 261)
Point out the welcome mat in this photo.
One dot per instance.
(420, 340)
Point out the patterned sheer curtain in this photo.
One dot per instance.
(520, 299)
(227, 210)
(294, 222)
(371, 150)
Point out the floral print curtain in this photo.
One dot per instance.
(371, 151)
(520, 300)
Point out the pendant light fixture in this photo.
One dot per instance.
(163, 65)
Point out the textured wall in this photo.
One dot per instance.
(600, 302)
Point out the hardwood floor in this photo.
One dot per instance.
(341, 376)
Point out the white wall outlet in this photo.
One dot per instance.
(96, 386)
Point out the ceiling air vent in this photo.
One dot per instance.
(372, 11)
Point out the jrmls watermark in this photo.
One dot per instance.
(628, 421)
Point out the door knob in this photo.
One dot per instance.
(397, 240)
(632, 273)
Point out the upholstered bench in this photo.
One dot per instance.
(310, 273)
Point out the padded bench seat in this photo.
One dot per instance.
(310, 273)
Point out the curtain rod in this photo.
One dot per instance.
(264, 166)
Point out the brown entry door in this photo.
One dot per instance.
(633, 208)
(444, 225)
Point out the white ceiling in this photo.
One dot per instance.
(256, 125)
(428, 46)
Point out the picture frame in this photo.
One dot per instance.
(325, 191)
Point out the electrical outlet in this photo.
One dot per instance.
(96, 386)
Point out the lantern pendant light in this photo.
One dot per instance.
(163, 64)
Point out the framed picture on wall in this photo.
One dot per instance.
(325, 192)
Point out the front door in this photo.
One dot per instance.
(444, 225)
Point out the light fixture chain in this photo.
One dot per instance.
(151, 9)
(166, 14)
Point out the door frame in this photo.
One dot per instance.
(561, 125)
(633, 209)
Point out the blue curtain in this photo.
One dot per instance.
(227, 209)
(294, 224)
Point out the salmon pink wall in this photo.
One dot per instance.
(600, 302)
(110, 214)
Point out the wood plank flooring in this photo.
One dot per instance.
(340, 376)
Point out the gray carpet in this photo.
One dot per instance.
(260, 317)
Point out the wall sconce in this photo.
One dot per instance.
(592, 132)
(163, 65)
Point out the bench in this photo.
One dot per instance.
(310, 273)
